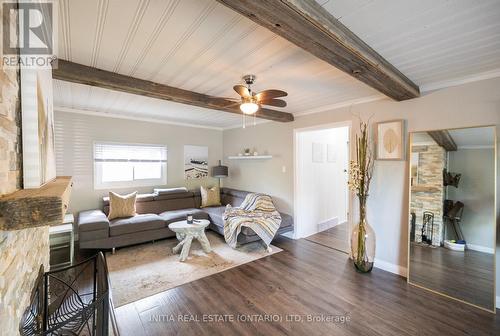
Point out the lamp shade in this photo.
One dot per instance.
(220, 171)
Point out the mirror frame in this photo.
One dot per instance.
(408, 158)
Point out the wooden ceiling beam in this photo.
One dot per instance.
(444, 139)
(82, 74)
(309, 26)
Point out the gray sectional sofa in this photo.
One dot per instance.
(154, 212)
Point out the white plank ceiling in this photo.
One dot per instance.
(202, 46)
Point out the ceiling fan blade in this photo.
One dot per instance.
(242, 90)
(273, 102)
(268, 94)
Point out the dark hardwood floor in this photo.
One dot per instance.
(306, 280)
(336, 237)
(465, 275)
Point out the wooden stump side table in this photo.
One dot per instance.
(186, 233)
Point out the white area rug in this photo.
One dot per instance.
(140, 271)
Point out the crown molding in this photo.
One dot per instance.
(346, 103)
(426, 88)
(476, 147)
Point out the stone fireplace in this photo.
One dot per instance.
(427, 190)
(21, 254)
(22, 251)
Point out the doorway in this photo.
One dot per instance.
(321, 199)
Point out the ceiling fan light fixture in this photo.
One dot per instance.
(249, 107)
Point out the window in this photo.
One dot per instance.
(129, 165)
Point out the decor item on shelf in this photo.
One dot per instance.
(195, 162)
(247, 151)
(220, 171)
(255, 153)
(189, 218)
(451, 179)
(390, 140)
(360, 175)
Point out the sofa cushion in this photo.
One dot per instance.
(216, 214)
(166, 191)
(139, 198)
(121, 206)
(136, 223)
(91, 220)
(233, 196)
(93, 235)
(178, 215)
(178, 196)
(286, 220)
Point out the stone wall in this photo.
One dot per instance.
(21, 254)
(10, 131)
(428, 191)
(21, 251)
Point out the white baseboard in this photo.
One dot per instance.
(289, 234)
(329, 223)
(389, 267)
(480, 248)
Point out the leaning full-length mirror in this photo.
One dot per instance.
(452, 213)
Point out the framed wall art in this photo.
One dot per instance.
(390, 140)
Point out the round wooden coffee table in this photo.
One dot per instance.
(186, 232)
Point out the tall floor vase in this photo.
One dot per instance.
(363, 242)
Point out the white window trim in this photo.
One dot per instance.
(97, 173)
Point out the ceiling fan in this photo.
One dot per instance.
(251, 101)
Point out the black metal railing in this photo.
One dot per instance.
(73, 300)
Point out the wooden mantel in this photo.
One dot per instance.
(28, 208)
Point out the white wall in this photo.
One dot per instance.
(321, 186)
(467, 105)
(36, 95)
(477, 192)
(76, 133)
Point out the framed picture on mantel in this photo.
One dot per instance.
(390, 140)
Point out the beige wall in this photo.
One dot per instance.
(468, 105)
(477, 193)
(76, 133)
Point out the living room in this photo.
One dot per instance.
(171, 134)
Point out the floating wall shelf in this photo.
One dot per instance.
(250, 157)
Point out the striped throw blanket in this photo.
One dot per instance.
(256, 212)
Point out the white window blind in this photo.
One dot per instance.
(129, 165)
